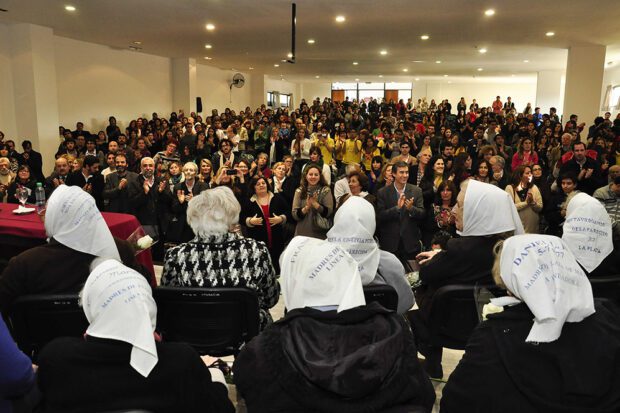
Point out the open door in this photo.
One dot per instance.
(337, 95)
(391, 95)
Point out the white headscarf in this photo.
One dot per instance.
(353, 230)
(72, 219)
(587, 231)
(318, 273)
(488, 210)
(541, 271)
(119, 305)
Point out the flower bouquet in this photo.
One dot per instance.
(140, 241)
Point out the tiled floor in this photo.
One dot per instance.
(449, 362)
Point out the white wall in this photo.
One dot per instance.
(484, 91)
(213, 87)
(97, 81)
(7, 98)
(311, 91)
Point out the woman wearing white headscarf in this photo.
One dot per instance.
(588, 233)
(120, 363)
(77, 233)
(484, 215)
(353, 230)
(552, 348)
(330, 353)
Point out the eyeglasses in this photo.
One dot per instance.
(537, 169)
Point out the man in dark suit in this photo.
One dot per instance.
(144, 194)
(116, 194)
(34, 160)
(588, 171)
(89, 179)
(400, 207)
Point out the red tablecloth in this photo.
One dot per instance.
(31, 226)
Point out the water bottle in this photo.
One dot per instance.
(39, 194)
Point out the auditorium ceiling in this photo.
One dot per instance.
(376, 37)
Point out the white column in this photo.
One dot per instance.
(584, 82)
(7, 97)
(184, 85)
(548, 90)
(33, 68)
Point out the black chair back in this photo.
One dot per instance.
(214, 321)
(606, 287)
(454, 314)
(383, 294)
(35, 320)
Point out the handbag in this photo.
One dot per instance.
(318, 220)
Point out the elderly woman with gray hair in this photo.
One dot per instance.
(182, 193)
(217, 257)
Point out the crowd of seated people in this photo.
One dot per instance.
(382, 182)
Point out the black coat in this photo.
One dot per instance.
(500, 372)
(12, 189)
(362, 359)
(394, 225)
(115, 199)
(52, 268)
(277, 206)
(93, 374)
(178, 229)
(144, 205)
(456, 266)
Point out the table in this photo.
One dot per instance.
(20, 232)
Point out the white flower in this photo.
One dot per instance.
(490, 309)
(145, 242)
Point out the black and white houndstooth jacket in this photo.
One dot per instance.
(224, 260)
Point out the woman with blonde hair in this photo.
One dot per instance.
(206, 171)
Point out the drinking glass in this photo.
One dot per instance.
(22, 196)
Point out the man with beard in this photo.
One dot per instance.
(58, 177)
(115, 194)
(144, 194)
(89, 179)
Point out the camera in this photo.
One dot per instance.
(231, 172)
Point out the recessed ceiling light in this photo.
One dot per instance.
(425, 37)
(445, 75)
(210, 26)
(417, 61)
(311, 41)
(480, 69)
(290, 55)
(405, 70)
(437, 61)
(489, 12)
(417, 78)
(283, 60)
(340, 19)
(526, 61)
(276, 65)
(383, 52)
(512, 75)
(357, 79)
(208, 58)
(208, 46)
(137, 42)
(355, 63)
(70, 8)
(483, 50)
(317, 76)
(550, 34)
(380, 75)
(250, 68)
